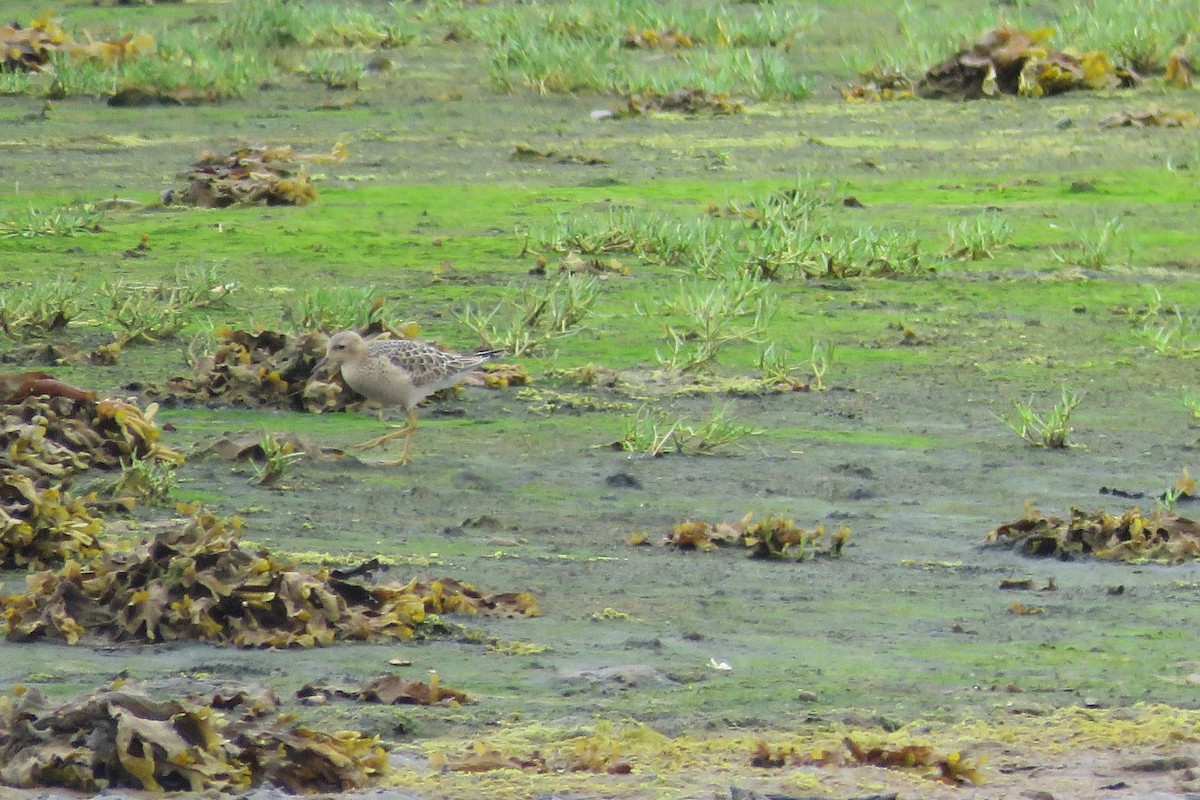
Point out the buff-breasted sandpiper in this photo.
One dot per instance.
(398, 372)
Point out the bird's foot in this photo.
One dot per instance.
(400, 462)
(387, 437)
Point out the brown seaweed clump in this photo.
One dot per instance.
(270, 176)
(196, 581)
(49, 432)
(1012, 61)
(1131, 536)
(121, 737)
(31, 48)
(261, 368)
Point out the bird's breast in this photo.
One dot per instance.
(381, 383)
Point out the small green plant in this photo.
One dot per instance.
(979, 237)
(1191, 402)
(139, 316)
(68, 220)
(43, 306)
(819, 359)
(1050, 431)
(263, 25)
(67, 76)
(775, 366)
(651, 432)
(335, 71)
(528, 319)
(332, 310)
(1096, 244)
(1184, 486)
(149, 480)
(278, 460)
(710, 315)
(1178, 337)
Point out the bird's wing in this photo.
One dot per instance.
(423, 361)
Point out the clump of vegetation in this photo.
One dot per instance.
(141, 317)
(531, 317)
(1184, 487)
(43, 307)
(337, 309)
(708, 316)
(1096, 244)
(278, 460)
(68, 220)
(778, 537)
(335, 71)
(1191, 402)
(52, 430)
(273, 24)
(777, 369)
(252, 176)
(40, 526)
(1051, 430)
(1177, 336)
(653, 433)
(230, 594)
(979, 237)
(1133, 536)
(681, 101)
(783, 235)
(149, 480)
(771, 537)
(716, 53)
(266, 368)
(819, 360)
(123, 738)
(146, 314)
(952, 768)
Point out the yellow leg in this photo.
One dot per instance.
(406, 431)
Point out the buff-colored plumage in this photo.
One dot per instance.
(398, 372)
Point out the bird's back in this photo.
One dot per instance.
(405, 371)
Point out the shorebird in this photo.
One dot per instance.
(397, 372)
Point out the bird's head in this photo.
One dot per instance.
(342, 347)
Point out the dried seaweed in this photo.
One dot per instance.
(1152, 118)
(1132, 536)
(772, 537)
(51, 436)
(261, 368)
(952, 769)
(122, 738)
(251, 176)
(49, 432)
(502, 376)
(40, 527)
(1013, 61)
(197, 581)
(29, 49)
(390, 690)
(690, 101)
